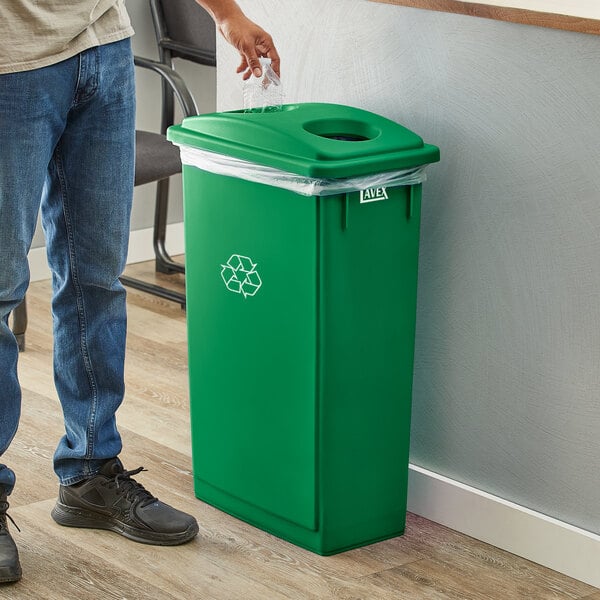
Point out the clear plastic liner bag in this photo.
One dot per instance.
(264, 93)
(306, 186)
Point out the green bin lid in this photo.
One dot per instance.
(311, 139)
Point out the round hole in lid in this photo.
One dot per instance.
(345, 130)
(345, 137)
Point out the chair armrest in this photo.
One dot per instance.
(180, 89)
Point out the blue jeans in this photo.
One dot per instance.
(67, 135)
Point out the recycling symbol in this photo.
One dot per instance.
(240, 275)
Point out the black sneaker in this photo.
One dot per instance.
(10, 567)
(113, 500)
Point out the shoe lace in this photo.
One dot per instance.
(133, 490)
(4, 515)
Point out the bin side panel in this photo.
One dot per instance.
(368, 307)
(251, 288)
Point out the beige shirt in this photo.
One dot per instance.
(38, 33)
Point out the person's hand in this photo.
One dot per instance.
(251, 41)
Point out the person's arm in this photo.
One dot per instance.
(249, 39)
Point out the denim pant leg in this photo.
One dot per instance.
(68, 130)
(86, 216)
(32, 105)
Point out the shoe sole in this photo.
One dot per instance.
(69, 516)
(9, 576)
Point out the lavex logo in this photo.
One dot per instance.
(373, 195)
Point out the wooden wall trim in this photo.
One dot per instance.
(501, 13)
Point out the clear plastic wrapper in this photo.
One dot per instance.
(264, 93)
(306, 186)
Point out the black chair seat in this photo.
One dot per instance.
(155, 157)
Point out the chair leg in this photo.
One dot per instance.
(19, 327)
(164, 262)
(151, 288)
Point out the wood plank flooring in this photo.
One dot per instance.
(229, 560)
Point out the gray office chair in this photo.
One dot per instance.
(156, 159)
(183, 30)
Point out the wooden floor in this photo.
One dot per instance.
(229, 560)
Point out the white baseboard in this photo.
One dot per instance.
(140, 249)
(532, 535)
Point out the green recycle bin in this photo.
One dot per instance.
(302, 238)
